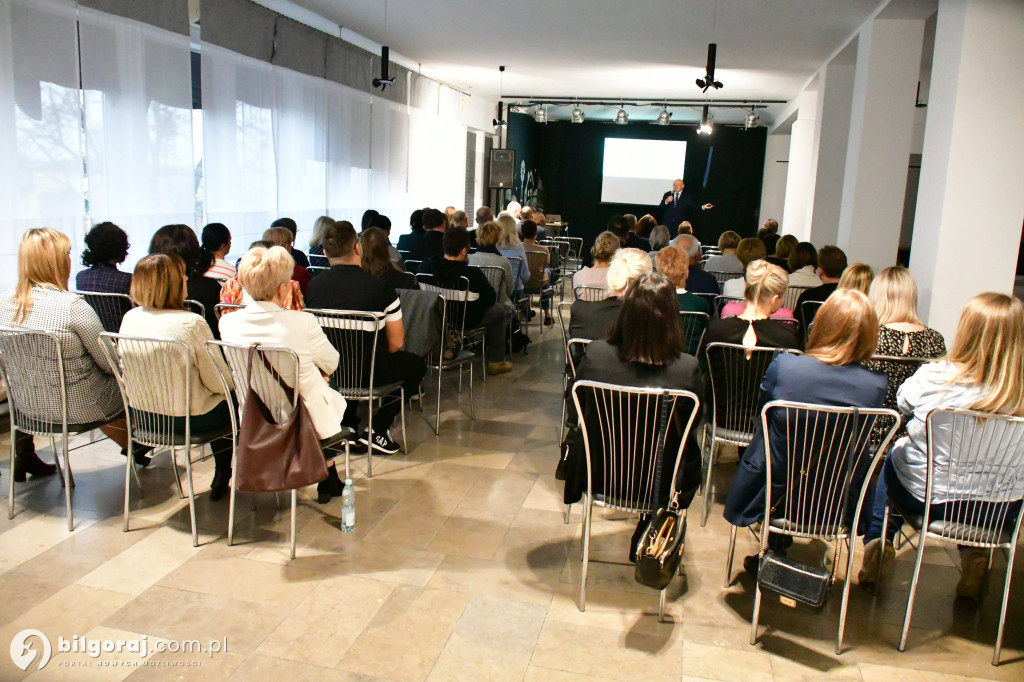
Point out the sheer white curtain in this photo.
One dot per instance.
(389, 163)
(348, 157)
(41, 181)
(239, 164)
(137, 97)
(300, 148)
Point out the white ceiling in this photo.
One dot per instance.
(767, 49)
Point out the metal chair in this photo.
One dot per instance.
(270, 390)
(808, 309)
(734, 374)
(536, 261)
(723, 277)
(709, 299)
(318, 261)
(412, 266)
(496, 278)
(355, 335)
(620, 429)
(156, 384)
(722, 301)
(195, 307)
(222, 309)
(315, 270)
(590, 293)
(977, 480)
(452, 320)
(792, 295)
(828, 463)
(32, 368)
(694, 325)
(110, 308)
(404, 253)
(710, 251)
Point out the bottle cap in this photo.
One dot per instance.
(348, 481)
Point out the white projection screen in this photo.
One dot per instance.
(640, 171)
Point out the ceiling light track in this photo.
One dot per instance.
(533, 100)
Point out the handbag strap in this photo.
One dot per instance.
(660, 441)
(289, 392)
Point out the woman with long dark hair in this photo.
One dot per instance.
(376, 260)
(181, 241)
(216, 245)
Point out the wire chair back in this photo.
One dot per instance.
(455, 299)
(620, 428)
(32, 365)
(694, 326)
(268, 361)
(536, 262)
(710, 251)
(318, 261)
(722, 301)
(355, 335)
(808, 309)
(517, 268)
(412, 266)
(590, 293)
(315, 270)
(495, 277)
(735, 373)
(575, 349)
(222, 309)
(723, 277)
(789, 300)
(709, 299)
(195, 307)
(110, 308)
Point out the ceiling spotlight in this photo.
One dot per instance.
(500, 122)
(664, 118)
(751, 119)
(385, 80)
(621, 118)
(706, 122)
(577, 115)
(541, 116)
(708, 81)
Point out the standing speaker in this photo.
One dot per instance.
(503, 168)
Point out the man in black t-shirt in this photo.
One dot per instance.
(346, 286)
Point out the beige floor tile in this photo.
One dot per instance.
(536, 674)
(244, 580)
(510, 578)
(472, 533)
(499, 491)
(615, 609)
(465, 659)
(145, 563)
(322, 628)
(178, 667)
(101, 665)
(614, 654)
(36, 535)
(883, 673)
(20, 592)
(412, 628)
(735, 665)
(264, 669)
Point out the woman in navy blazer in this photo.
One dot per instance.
(829, 373)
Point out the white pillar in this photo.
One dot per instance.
(796, 213)
(835, 99)
(878, 151)
(773, 186)
(970, 203)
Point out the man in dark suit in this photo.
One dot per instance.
(677, 206)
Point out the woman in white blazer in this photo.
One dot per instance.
(265, 275)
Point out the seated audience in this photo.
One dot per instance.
(659, 239)
(675, 264)
(596, 275)
(376, 260)
(231, 291)
(41, 300)
(645, 347)
(593, 319)
(900, 331)
(316, 241)
(487, 254)
(484, 215)
(181, 241)
(983, 373)
(748, 250)
(727, 260)
(831, 264)
(543, 276)
(803, 266)
(383, 223)
(514, 209)
(645, 226)
(634, 240)
(281, 237)
(348, 285)
(482, 308)
(429, 245)
(265, 274)
(411, 239)
(510, 247)
(215, 246)
(158, 288)
(733, 308)
(857, 276)
(698, 281)
(685, 227)
(783, 248)
(289, 224)
(367, 220)
(769, 234)
(106, 246)
(828, 373)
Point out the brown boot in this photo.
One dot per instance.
(26, 461)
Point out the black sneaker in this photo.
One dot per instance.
(382, 442)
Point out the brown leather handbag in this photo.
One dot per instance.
(272, 456)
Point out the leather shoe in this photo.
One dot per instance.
(220, 485)
(332, 486)
(30, 464)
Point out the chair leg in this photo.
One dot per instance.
(472, 410)
(10, 472)
(483, 358)
(437, 418)
(174, 467)
(568, 512)
(708, 492)
(128, 465)
(191, 496)
(405, 444)
(294, 497)
(881, 556)
(67, 482)
(757, 613)
(56, 460)
(231, 512)
(369, 437)
(661, 605)
(585, 557)
(846, 596)
(1002, 608)
(729, 556)
(913, 591)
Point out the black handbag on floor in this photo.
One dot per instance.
(794, 582)
(660, 549)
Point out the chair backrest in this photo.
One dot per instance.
(315, 270)
(33, 372)
(354, 334)
(422, 316)
(792, 295)
(536, 261)
(412, 266)
(694, 325)
(620, 428)
(574, 247)
(517, 267)
(110, 308)
(722, 301)
(980, 473)
(268, 361)
(195, 307)
(221, 309)
(455, 299)
(735, 373)
(723, 277)
(826, 454)
(590, 293)
(709, 299)
(495, 277)
(710, 250)
(808, 309)
(318, 261)
(155, 381)
(575, 349)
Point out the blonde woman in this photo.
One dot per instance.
(593, 319)
(983, 372)
(282, 236)
(828, 373)
(265, 274)
(596, 275)
(158, 288)
(727, 260)
(509, 246)
(857, 276)
(487, 254)
(41, 300)
(316, 240)
(754, 322)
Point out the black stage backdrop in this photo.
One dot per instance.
(566, 161)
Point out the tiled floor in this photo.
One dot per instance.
(460, 568)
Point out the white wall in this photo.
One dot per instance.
(773, 186)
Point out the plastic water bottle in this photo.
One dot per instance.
(348, 507)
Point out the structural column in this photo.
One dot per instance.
(831, 135)
(878, 148)
(970, 203)
(796, 212)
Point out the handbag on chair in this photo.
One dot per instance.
(660, 549)
(273, 457)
